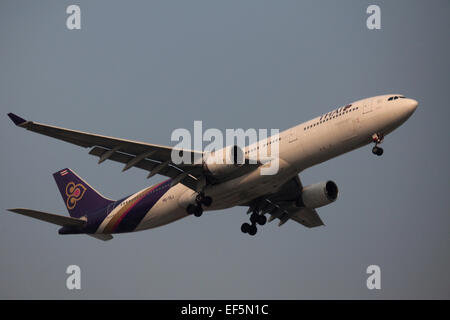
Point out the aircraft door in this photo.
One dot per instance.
(367, 107)
(292, 136)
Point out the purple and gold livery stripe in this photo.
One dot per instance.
(134, 211)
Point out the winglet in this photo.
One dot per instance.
(16, 119)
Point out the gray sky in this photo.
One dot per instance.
(140, 69)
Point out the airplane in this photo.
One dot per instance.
(193, 188)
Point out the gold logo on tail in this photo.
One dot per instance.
(74, 192)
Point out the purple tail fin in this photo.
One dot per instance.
(79, 197)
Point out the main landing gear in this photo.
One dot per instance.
(255, 218)
(196, 209)
(377, 138)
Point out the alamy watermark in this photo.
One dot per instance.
(251, 146)
(73, 21)
(373, 22)
(374, 280)
(73, 281)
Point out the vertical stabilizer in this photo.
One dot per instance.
(79, 197)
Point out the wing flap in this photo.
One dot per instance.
(281, 205)
(149, 164)
(307, 217)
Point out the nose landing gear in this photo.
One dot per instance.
(377, 138)
(255, 219)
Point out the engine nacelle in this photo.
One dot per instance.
(318, 195)
(225, 161)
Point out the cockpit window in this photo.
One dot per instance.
(395, 98)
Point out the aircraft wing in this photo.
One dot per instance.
(151, 157)
(281, 205)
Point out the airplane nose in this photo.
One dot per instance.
(411, 105)
(407, 108)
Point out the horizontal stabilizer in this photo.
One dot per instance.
(50, 217)
(99, 236)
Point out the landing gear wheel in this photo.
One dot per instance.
(377, 151)
(252, 230)
(198, 211)
(254, 218)
(245, 227)
(195, 210)
(202, 199)
(262, 220)
(191, 209)
(207, 201)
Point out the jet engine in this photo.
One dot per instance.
(318, 195)
(224, 161)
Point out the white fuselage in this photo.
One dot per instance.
(300, 147)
